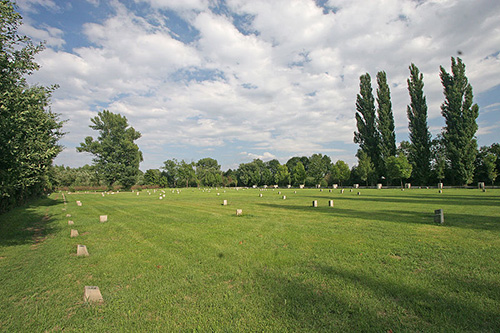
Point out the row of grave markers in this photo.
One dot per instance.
(90, 293)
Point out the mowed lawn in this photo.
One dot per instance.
(374, 262)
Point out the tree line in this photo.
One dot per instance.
(452, 156)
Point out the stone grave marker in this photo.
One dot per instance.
(74, 233)
(81, 251)
(68, 215)
(330, 203)
(408, 185)
(440, 186)
(480, 185)
(239, 212)
(71, 222)
(334, 186)
(137, 193)
(260, 195)
(289, 186)
(315, 203)
(284, 197)
(439, 216)
(356, 185)
(103, 218)
(359, 193)
(342, 191)
(379, 186)
(78, 203)
(92, 294)
(224, 203)
(301, 186)
(440, 191)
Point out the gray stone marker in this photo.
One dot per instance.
(81, 250)
(330, 203)
(408, 185)
(342, 191)
(68, 215)
(260, 195)
(356, 185)
(239, 212)
(74, 233)
(335, 186)
(359, 193)
(315, 203)
(379, 186)
(70, 222)
(301, 186)
(480, 185)
(224, 203)
(284, 197)
(92, 294)
(103, 218)
(440, 191)
(78, 203)
(439, 216)
(440, 186)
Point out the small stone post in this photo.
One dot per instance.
(74, 233)
(92, 294)
(81, 250)
(315, 203)
(224, 203)
(439, 216)
(239, 212)
(330, 203)
(103, 218)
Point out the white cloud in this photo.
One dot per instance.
(288, 87)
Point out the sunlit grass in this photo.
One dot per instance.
(374, 262)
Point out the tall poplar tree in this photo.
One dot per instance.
(460, 115)
(367, 135)
(385, 120)
(420, 137)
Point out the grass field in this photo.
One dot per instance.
(374, 262)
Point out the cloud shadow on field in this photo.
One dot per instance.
(467, 221)
(27, 224)
(312, 304)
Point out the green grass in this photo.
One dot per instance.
(374, 262)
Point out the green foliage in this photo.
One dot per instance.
(282, 177)
(319, 166)
(249, 173)
(385, 119)
(117, 157)
(365, 168)
(398, 167)
(341, 172)
(70, 177)
(29, 131)
(460, 116)
(208, 172)
(420, 137)
(367, 135)
(489, 163)
(299, 174)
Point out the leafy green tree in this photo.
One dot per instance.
(385, 121)
(460, 116)
(489, 162)
(187, 174)
(420, 137)
(249, 173)
(319, 165)
(208, 172)
(367, 135)
(117, 157)
(152, 177)
(341, 172)
(266, 177)
(398, 167)
(282, 177)
(299, 174)
(439, 165)
(29, 131)
(171, 172)
(230, 178)
(365, 168)
(292, 162)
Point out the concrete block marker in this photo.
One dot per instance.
(342, 191)
(71, 222)
(224, 203)
(315, 203)
(379, 186)
(260, 195)
(74, 233)
(103, 218)
(440, 191)
(92, 294)
(440, 186)
(359, 193)
(439, 216)
(284, 197)
(68, 215)
(356, 185)
(81, 251)
(78, 203)
(239, 212)
(330, 203)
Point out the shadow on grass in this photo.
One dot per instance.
(432, 199)
(27, 224)
(373, 304)
(401, 216)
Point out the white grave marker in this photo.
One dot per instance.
(239, 212)
(103, 218)
(315, 203)
(92, 294)
(81, 250)
(74, 233)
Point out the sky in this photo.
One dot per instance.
(237, 80)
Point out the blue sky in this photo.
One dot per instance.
(236, 80)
